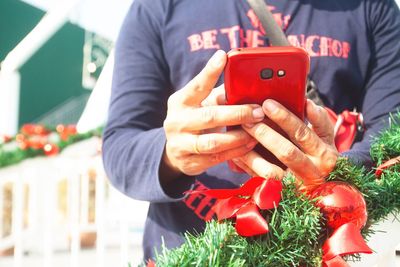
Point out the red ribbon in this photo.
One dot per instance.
(345, 240)
(387, 164)
(244, 203)
(151, 263)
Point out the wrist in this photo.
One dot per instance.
(168, 172)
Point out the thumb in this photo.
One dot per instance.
(201, 85)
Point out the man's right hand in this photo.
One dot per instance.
(191, 147)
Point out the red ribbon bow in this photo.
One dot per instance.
(345, 240)
(387, 164)
(244, 204)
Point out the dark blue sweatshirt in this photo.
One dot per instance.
(355, 60)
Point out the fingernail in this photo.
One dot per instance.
(251, 144)
(270, 106)
(258, 113)
(217, 59)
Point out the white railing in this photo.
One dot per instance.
(63, 210)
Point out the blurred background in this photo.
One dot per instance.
(56, 205)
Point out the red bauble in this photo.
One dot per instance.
(341, 203)
(50, 149)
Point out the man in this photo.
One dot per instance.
(162, 137)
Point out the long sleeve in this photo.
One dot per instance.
(383, 82)
(134, 140)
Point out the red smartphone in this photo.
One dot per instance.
(253, 75)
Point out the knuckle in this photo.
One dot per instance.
(302, 134)
(242, 114)
(330, 161)
(288, 153)
(208, 115)
(262, 131)
(211, 144)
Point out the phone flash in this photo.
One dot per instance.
(281, 73)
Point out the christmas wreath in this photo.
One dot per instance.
(268, 222)
(38, 140)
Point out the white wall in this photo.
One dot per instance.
(103, 17)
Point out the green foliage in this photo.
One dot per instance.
(387, 144)
(297, 230)
(292, 239)
(218, 245)
(16, 155)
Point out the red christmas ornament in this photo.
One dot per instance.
(51, 149)
(341, 203)
(65, 131)
(34, 129)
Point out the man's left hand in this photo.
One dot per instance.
(310, 154)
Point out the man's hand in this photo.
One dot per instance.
(310, 155)
(193, 145)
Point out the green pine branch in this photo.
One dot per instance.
(297, 230)
(293, 238)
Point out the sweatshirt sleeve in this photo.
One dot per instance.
(383, 82)
(134, 140)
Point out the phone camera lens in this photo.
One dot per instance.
(281, 73)
(266, 74)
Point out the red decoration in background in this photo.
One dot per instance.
(387, 164)
(51, 149)
(5, 139)
(36, 137)
(345, 211)
(341, 203)
(244, 203)
(34, 129)
(65, 131)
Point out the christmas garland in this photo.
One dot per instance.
(38, 140)
(299, 230)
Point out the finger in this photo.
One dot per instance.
(296, 129)
(217, 116)
(218, 142)
(260, 166)
(289, 154)
(244, 167)
(307, 185)
(321, 124)
(198, 163)
(216, 97)
(201, 85)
